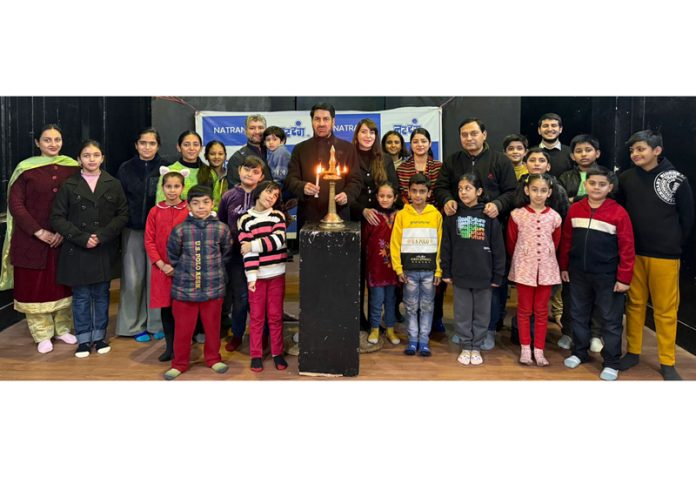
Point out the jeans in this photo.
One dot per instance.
(419, 294)
(377, 297)
(90, 306)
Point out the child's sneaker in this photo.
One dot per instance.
(256, 365)
(280, 363)
(609, 374)
(526, 355)
(68, 338)
(159, 335)
(424, 350)
(464, 357)
(102, 347)
(374, 336)
(476, 358)
(596, 345)
(411, 348)
(572, 362)
(172, 373)
(565, 342)
(391, 336)
(540, 358)
(220, 367)
(82, 350)
(45, 346)
(233, 343)
(142, 337)
(489, 341)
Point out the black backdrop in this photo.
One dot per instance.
(116, 120)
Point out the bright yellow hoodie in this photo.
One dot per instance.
(415, 240)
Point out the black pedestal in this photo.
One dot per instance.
(330, 300)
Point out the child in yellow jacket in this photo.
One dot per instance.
(415, 255)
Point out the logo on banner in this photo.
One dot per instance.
(406, 129)
(295, 131)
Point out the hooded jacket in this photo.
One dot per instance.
(661, 206)
(473, 252)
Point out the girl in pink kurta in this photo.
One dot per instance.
(533, 235)
(161, 220)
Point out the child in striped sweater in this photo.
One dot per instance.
(262, 237)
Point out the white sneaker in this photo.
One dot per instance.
(465, 357)
(596, 345)
(476, 357)
(572, 362)
(565, 342)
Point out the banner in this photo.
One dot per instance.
(229, 128)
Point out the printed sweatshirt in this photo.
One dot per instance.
(415, 240)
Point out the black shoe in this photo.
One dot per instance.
(669, 373)
(256, 365)
(102, 347)
(82, 350)
(166, 356)
(628, 361)
(280, 363)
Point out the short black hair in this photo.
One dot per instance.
(597, 170)
(584, 138)
(419, 179)
(199, 190)
(537, 150)
(481, 126)
(252, 162)
(265, 185)
(275, 131)
(550, 116)
(652, 138)
(324, 106)
(515, 138)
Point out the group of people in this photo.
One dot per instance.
(203, 243)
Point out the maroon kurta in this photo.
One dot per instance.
(30, 202)
(376, 240)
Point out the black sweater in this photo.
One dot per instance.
(661, 206)
(496, 171)
(560, 160)
(368, 193)
(139, 180)
(473, 252)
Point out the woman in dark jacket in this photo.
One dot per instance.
(375, 171)
(89, 212)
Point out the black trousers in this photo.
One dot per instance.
(588, 290)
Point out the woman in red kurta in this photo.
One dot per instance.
(161, 220)
(30, 252)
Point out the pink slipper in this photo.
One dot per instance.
(68, 338)
(45, 346)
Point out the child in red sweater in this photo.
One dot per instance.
(381, 279)
(161, 220)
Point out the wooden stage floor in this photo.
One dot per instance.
(132, 361)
